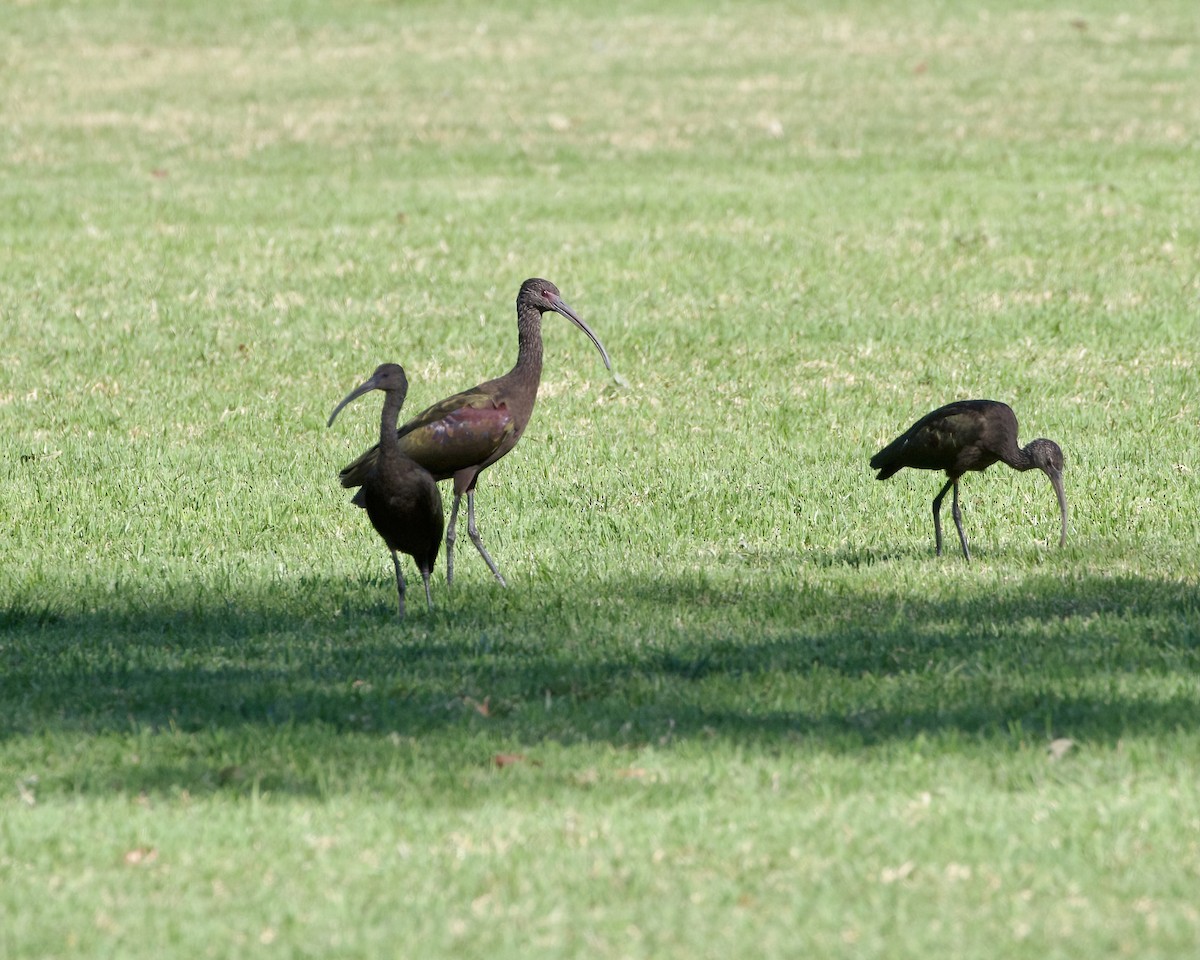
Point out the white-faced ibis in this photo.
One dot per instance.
(463, 435)
(399, 495)
(969, 435)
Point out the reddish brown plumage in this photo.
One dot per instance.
(463, 435)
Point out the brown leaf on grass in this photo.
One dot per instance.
(140, 856)
(1059, 748)
(897, 874)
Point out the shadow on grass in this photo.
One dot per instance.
(842, 667)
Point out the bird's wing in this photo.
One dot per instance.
(952, 430)
(461, 431)
(933, 442)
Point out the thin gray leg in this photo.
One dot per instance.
(399, 581)
(937, 515)
(477, 540)
(958, 522)
(450, 537)
(428, 598)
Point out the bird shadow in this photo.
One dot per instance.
(652, 661)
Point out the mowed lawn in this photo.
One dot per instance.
(731, 704)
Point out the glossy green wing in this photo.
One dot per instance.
(458, 432)
(461, 431)
(933, 442)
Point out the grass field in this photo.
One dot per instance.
(731, 705)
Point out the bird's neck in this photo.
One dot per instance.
(389, 446)
(529, 344)
(1018, 458)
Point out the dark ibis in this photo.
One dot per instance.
(399, 495)
(463, 435)
(969, 435)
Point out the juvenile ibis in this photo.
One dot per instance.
(969, 435)
(463, 435)
(399, 495)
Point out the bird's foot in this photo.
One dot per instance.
(489, 561)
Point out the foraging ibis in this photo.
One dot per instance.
(969, 435)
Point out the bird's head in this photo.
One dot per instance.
(389, 377)
(1047, 456)
(543, 296)
(540, 293)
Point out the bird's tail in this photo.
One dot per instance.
(355, 473)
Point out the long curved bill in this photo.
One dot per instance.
(1056, 479)
(566, 311)
(365, 387)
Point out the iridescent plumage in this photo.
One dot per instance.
(461, 436)
(969, 435)
(399, 494)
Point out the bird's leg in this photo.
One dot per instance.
(957, 514)
(478, 540)
(428, 598)
(399, 581)
(937, 513)
(450, 537)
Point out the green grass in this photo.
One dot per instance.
(731, 704)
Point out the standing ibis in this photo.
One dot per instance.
(969, 435)
(463, 435)
(398, 493)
